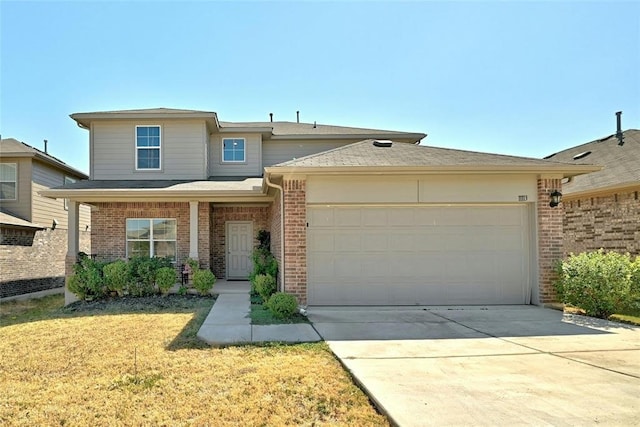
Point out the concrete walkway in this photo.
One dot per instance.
(229, 323)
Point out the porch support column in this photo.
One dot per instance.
(193, 230)
(73, 247)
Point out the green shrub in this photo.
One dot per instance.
(282, 305)
(143, 271)
(194, 264)
(165, 279)
(265, 285)
(74, 286)
(116, 276)
(598, 282)
(263, 263)
(203, 281)
(89, 281)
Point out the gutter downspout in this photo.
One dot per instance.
(279, 187)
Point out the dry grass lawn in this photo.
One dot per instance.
(120, 366)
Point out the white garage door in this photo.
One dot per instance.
(428, 255)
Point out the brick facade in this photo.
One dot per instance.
(610, 221)
(34, 261)
(550, 240)
(295, 237)
(275, 230)
(108, 227)
(259, 215)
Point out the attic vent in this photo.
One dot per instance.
(581, 155)
(382, 143)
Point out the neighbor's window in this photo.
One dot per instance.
(148, 147)
(8, 181)
(233, 150)
(151, 237)
(68, 180)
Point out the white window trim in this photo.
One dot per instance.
(151, 246)
(233, 161)
(71, 180)
(135, 143)
(15, 167)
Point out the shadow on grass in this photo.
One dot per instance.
(52, 307)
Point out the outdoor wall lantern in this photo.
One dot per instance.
(556, 198)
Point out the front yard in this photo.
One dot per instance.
(140, 364)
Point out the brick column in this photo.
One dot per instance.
(295, 238)
(550, 237)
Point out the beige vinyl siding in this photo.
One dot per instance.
(21, 207)
(253, 155)
(182, 155)
(274, 152)
(45, 210)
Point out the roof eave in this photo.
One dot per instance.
(98, 195)
(414, 137)
(85, 119)
(567, 193)
(565, 170)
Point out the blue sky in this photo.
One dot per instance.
(521, 78)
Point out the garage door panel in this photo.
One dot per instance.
(435, 255)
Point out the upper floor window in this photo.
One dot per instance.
(8, 181)
(233, 150)
(148, 147)
(68, 180)
(151, 237)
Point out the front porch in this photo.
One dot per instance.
(221, 236)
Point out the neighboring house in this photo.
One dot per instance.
(354, 218)
(602, 209)
(33, 228)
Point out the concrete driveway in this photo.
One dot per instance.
(507, 365)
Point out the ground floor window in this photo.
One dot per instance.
(151, 237)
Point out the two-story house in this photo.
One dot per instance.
(356, 216)
(33, 228)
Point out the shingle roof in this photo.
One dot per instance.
(277, 130)
(310, 129)
(366, 154)
(246, 184)
(159, 189)
(12, 148)
(14, 221)
(160, 110)
(621, 164)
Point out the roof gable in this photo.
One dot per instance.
(621, 163)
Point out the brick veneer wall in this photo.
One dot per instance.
(221, 214)
(37, 266)
(610, 221)
(108, 227)
(295, 237)
(550, 238)
(275, 230)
